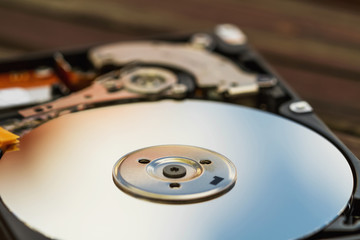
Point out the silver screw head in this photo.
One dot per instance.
(300, 107)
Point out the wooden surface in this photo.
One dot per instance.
(314, 45)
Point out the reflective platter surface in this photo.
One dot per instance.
(290, 180)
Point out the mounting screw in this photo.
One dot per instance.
(230, 34)
(174, 171)
(300, 107)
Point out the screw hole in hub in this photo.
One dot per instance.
(174, 185)
(144, 161)
(206, 161)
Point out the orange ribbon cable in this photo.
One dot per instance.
(8, 141)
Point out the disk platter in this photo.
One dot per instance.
(291, 182)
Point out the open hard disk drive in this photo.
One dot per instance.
(192, 137)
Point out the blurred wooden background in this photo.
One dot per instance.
(314, 45)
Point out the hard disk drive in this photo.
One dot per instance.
(192, 137)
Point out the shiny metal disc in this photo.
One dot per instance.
(290, 181)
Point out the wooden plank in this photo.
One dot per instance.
(335, 100)
(353, 143)
(293, 30)
(7, 52)
(289, 18)
(108, 14)
(348, 5)
(340, 57)
(318, 86)
(34, 32)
